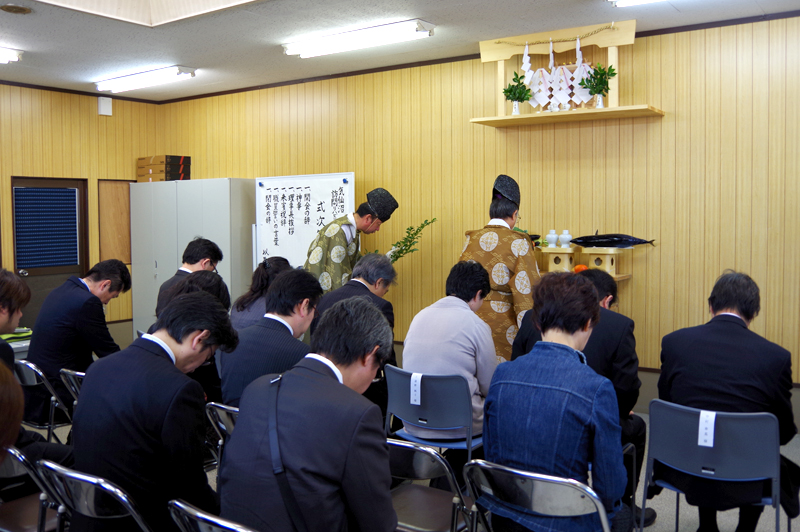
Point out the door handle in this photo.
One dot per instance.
(23, 273)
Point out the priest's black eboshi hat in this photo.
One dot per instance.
(382, 203)
(506, 187)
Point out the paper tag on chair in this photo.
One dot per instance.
(705, 431)
(416, 388)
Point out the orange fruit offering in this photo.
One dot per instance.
(580, 267)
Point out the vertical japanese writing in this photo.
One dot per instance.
(283, 209)
(291, 213)
(337, 202)
(321, 217)
(275, 201)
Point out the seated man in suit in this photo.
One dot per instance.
(724, 366)
(549, 413)
(611, 352)
(139, 423)
(330, 440)
(201, 254)
(372, 277)
(70, 326)
(272, 345)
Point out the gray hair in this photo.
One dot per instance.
(374, 266)
(350, 329)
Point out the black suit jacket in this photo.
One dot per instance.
(161, 302)
(139, 424)
(70, 326)
(353, 288)
(610, 352)
(724, 366)
(7, 354)
(264, 348)
(333, 449)
(377, 392)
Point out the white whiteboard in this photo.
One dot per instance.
(290, 210)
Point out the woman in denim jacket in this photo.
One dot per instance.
(550, 413)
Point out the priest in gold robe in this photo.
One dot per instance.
(337, 247)
(508, 257)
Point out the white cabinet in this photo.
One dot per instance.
(166, 215)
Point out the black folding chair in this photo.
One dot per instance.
(30, 376)
(87, 495)
(421, 508)
(542, 494)
(191, 519)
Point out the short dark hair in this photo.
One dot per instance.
(289, 289)
(266, 272)
(736, 291)
(605, 284)
(565, 301)
(112, 270)
(350, 329)
(466, 278)
(502, 207)
(201, 248)
(364, 209)
(14, 293)
(201, 281)
(198, 311)
(374, 266)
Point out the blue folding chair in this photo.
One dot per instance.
(445, 403)
(746, 447)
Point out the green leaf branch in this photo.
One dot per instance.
(405, 246)
(597, 81)
(517, 91)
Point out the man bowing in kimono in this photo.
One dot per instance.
(508, 257)
(337, 246)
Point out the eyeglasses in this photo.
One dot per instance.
(210, 357)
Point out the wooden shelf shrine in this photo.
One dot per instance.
(576, 115)
(563, 260)
(559, 259)
(610, 36)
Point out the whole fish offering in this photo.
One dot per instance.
(610, 241)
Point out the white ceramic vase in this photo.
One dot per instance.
(515, 108)
(599, 102)
(565, 238)
(551, 238)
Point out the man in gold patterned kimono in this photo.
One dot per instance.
(508, 257)
(337, 247)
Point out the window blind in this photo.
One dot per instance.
(45, 227)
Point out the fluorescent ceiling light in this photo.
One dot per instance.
(629, 3)
(408, 30)
(7, 55)
(146, 79)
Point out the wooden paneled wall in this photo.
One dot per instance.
(707, 181)
(715, 181)
(51, 134)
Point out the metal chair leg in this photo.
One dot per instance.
(51, 419)
(62, 510)
(43, 505)
(677, 510)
